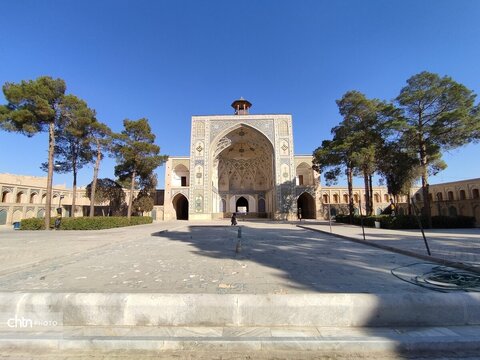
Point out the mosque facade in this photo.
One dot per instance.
(243, 163)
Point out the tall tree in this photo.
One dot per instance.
(73, 148)
(34, 106)
(439, 115)
(110, 191)
(366, 123)
(144, 202)
(398, 167)
(360, 123)
(101, 137)
(137, 155)
(331, 159)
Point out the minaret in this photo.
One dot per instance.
(241, 106)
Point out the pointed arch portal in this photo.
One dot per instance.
(241, 205)
(180, 204)
(306, 204)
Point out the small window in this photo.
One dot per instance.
(184, 180)
(462, 195)
(300, 179)
(439, 196)
(325, 198)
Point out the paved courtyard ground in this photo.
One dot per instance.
(186, 257)
(458, 245)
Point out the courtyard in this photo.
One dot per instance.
(203, 257)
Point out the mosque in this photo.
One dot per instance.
(243, 163)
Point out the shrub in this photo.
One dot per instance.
(32, 224)
(410, 221)
(87, 223)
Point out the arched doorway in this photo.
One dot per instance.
(241, 205)
(3, 217)
(261, 205)
(243, 159)
(306, 204)
(180, 204)
(476, 214)
(452, 211)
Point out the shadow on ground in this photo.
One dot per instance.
(303, 259)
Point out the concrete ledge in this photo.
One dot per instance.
(394, 344)
(340, 310)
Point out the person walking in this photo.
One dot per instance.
(234, 219)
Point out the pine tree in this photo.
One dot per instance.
(137, 155)
(34, 106)
(438, 115)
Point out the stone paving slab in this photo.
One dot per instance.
(452, 244)
(275, 258)
(22, 248)
(455, 245)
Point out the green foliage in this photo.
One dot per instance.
(32, 105)
(73, 148)
(409, 221)
(143, 203)
(137, 155)
(399, 168)
(135, 150)
(87, 223)
(33, 224)
(438, 115)
(108, 190)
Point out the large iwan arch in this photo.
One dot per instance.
(243, 169)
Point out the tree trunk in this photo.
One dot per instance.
(370, 186)
(368, 210)
(51, 148)
(130, 200)
(425, 185)
(74, 190)
(94, 181)
(409, 202)
(350, 193)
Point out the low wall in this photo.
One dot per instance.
(99, 309)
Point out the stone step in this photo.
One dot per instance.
(337, 310)
(331, 340)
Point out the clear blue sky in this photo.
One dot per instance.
(167, 61)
